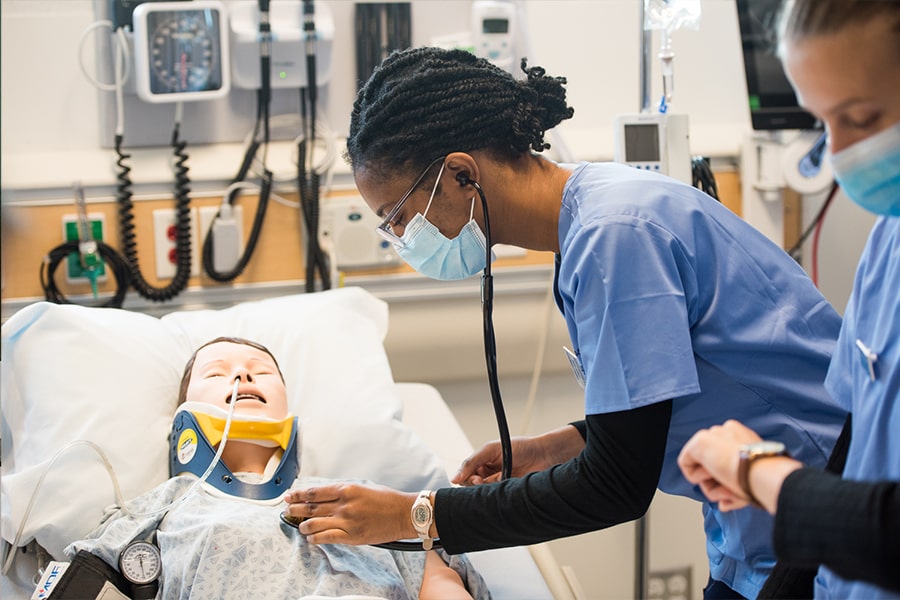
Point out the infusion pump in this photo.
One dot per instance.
(654, 142)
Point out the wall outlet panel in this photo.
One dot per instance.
(75, 271)
(673, 584)
(164, 243)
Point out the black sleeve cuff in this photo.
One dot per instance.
(581, 426)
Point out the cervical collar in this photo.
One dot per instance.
(191, 449)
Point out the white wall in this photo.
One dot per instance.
(57, 126)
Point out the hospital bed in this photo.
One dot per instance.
(83, 385)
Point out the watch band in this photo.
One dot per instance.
(422, 517)
(749, 454)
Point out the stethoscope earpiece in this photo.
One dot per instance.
(463, 178)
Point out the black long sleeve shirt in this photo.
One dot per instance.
(851, 527)
(611, 481)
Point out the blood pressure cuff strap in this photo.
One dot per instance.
(89, 576)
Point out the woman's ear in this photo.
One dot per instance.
(462, 167)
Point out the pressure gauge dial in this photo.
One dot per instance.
(180, 51)
(140, 562)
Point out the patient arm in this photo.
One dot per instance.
(440, 581)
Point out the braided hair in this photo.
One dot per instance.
(423, 103)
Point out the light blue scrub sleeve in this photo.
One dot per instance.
(630, 285)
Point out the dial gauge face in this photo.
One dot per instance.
(183, 51)
(140, 562)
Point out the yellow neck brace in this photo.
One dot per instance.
(270, 433)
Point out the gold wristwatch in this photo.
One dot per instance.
(749, 454)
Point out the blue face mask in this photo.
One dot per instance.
(869, 172)
(432, 254)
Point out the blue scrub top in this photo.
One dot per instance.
(873, 318)
(667, 294)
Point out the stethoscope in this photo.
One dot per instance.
(490, 358)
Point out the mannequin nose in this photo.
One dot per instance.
(245, 377)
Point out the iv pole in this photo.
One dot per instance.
(641, 525)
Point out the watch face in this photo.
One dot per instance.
(422, 515)
(140, 562)
(766, 448)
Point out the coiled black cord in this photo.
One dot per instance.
(117, 264)
(182, 224)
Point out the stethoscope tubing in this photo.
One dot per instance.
(490, 357)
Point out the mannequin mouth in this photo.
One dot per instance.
(241, 397)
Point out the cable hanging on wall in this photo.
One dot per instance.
(259, 138)
(308, 178)
(182, 221)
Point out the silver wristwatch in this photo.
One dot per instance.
(422, 515)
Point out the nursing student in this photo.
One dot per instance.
(843, 58)
(680, 316)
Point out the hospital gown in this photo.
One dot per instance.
(219, 546)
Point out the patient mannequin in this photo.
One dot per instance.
(217, 545)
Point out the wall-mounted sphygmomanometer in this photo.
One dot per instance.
(181, 51)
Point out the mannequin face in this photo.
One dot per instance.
(261, 391)
(850, 79)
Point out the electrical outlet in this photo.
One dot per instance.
(674, 584)
(75, 271)
(164, 243)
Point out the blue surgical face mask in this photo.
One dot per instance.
(432, 254)
(869, 172)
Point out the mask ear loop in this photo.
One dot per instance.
(434, 190)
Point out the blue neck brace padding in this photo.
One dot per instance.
(186, 433)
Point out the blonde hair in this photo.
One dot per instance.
(804, 18)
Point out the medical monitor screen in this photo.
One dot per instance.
(495, 26)
(773, 104)
(642, 143)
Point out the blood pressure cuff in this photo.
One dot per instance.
(90, 577)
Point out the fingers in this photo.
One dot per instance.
(324, 493)
(350, 513)
(480, 464)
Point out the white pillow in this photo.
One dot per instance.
(111, 376)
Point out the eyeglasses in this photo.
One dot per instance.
(385, 230)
